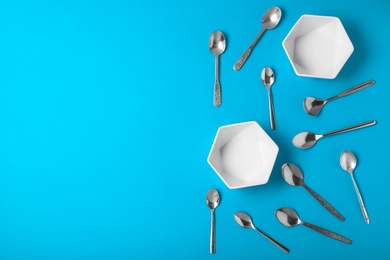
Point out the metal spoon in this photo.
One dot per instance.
(290, 218)
(308, 139)
(313, 106)
(268, 79)
(269, 20)
(217, 45)
(294, 176)
(348, 163)
(212, 200)
(245, 221)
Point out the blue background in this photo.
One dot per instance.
(107, 120)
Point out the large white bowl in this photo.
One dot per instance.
(243, 155)
(318, 46)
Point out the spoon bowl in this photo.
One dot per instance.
(217, 43)
(288, 217)
(243, 219)
(212, 200)
(306, 140)
(313, 106)
(271, 18)
(348, 161)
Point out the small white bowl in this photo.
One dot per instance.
(318, 46)
(243, 155)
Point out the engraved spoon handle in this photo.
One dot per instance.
(217, 85)
(324, 203)
(246, 54)
(353, 90)
(328, 233)
(350, 128)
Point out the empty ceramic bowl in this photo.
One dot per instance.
(243, 155)
(318, 46)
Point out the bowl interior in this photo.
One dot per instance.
(318, 46)
(243, 155)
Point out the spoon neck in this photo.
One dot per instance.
(263, 29)
(217, 68)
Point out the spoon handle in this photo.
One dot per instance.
(328, 233)
(282, 247)
(212, 234)
(271, 110)
(245, 55)
(324, 203)
(364, 211)
(217, 85)
(350, 128)
(354, 89)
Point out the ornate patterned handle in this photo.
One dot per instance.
(328, 233)
(217, 94)
(324, 203)
(242, 60)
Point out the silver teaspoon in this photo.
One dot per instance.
(217, 45)
(313, 106)
(294, 176)
(290, 218)
(245, 221)
(212, 200)
(269, 21)
(348, 163)
(268, 79)
(306, 140)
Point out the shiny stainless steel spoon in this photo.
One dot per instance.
(294, 176)
(212, 200)
(348, 163)
(217, 45)
(313, 106)
(268, 79)
(290, 218)
(308, 139)
(245, 221)
(269, 20)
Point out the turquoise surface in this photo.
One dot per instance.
(107, 120)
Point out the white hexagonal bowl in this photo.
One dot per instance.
(243, 155)
(318, 46)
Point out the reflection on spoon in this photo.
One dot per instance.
(245, 221)
(269, 20)
(290, 218)
(212, 200)
(313, 106)
(348, 163)
(294, 176)
(308, 139)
